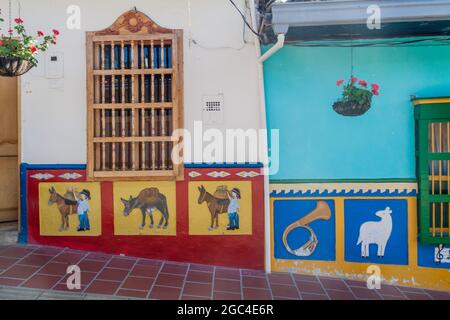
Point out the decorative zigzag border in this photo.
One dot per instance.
(344, 190)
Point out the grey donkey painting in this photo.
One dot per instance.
(148, 201)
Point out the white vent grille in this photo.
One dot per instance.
(213, 109)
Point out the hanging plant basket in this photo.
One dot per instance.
(356, 98)
(14, 67)
(18, 49)
(351, 108)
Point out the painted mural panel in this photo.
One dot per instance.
(145, 208)
(434, 256)
(376, 231)
(220, 208)
(69, 209)
(304, 229)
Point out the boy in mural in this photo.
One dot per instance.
(83, 209)
(233, 209)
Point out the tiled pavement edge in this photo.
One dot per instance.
(39, 272)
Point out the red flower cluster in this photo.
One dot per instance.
(18, 20)
(55, 36)
(363, 83)
(375, 89)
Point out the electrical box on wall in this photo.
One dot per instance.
(213, 109)
(54, 66)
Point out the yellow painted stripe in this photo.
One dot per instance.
(430, 101)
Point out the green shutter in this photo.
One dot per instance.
(433, 165)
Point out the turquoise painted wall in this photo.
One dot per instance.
(316, 142)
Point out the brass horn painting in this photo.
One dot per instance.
(144, 208)
(304, 229)
(69, 209)
(220, 208)
(321, 212)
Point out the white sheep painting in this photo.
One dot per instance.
(376, 232)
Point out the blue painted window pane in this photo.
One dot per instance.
(158, 88)
(127, 56)
(147, 63)
(108, 62)
(168, 57)
(117, 56)
(168, 88)
(157, 57)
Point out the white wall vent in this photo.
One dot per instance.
(213, 109)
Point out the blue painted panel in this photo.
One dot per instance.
(317, 143)
(426, 257)
(288, 211)
(23, 232)
(357, 212)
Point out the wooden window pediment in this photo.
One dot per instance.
(134, 99)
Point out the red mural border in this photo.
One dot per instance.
(243, 251)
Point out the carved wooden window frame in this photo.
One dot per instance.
(131, 113)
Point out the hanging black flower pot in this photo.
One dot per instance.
(356, 98)
(351, 108)
(14, 67)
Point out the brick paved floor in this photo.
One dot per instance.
(39, 272)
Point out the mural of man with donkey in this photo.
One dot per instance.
(72, 202)
(223, 201)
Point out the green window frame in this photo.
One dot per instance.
(432, 118)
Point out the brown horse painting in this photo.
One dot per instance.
(215, 205)
(148, 201)
(65, 207)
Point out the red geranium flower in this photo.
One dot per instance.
(339, 82)
(55, 32)
(1, 42)
(363, 83)
(375, 92)
(18, 20)
(40, 33)
(33, 49)
(354, 79)
(375, 87)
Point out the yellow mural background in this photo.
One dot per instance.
(130, 225)
(200, 218)
(50, 218)
(410, 275)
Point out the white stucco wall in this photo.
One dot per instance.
(54, 115)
